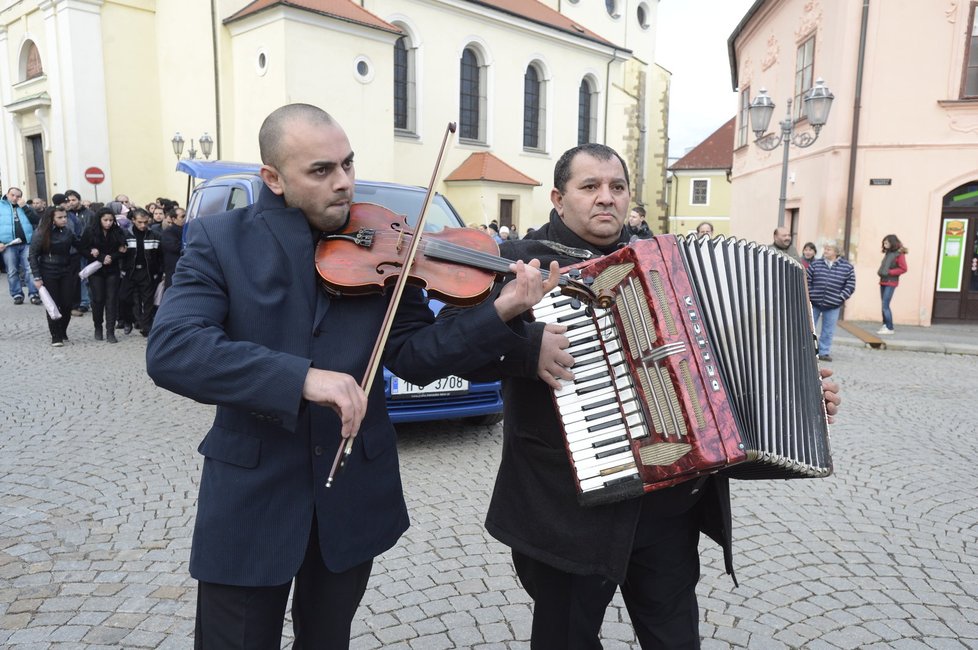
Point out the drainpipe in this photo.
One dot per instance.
(607, 91)
(854, 141)
(217, 81)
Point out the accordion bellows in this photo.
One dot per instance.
(699, 356)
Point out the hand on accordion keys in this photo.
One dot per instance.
(554, 361)
(830, 390)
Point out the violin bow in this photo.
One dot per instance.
(343, 453)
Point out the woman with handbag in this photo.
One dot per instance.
(104, 242)
(51, 264)
(894, 265)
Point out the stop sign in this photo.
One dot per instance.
(94, 175)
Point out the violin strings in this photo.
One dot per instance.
(455, 252)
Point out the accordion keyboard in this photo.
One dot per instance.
(600, 408)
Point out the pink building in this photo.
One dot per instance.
(898, 155)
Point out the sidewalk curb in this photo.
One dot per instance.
(915, 346)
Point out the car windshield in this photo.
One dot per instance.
(409, 203)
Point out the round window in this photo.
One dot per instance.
(261, 62)
(363, 69)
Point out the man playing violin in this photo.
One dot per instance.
(572, 559)
(245, 326)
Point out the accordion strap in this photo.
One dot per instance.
(579, 253)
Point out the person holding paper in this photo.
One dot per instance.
(51, 263)
(104, 242)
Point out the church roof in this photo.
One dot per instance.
(484, 166)
(345, 10)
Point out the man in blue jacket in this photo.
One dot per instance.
(831, 280)
(246, 326)
(16, 227)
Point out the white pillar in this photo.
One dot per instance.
(10, 172)
(83, 115)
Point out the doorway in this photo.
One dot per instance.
(956, 289)
(37, 177)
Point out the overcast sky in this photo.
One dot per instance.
(692, 45)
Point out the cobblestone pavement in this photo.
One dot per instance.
(98, 475)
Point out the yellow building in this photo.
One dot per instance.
(699, 187)
(108, 83)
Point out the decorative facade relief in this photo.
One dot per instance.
(771, 54)
(810, 20)
(746, 67)
(952, 12)
(963, 122)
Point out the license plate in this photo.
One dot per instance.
(450, 385)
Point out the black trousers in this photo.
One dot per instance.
(61, 286)
(105, 298)
(659, 593)
(143, 291)
(251, 618)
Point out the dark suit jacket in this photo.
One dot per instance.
(239, 328)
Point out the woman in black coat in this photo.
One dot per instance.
(50, 260)
(105, 242)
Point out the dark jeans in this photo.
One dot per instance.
(659, 593)
(105, 298)
(251, 618)
(886, 295)
(61, 286)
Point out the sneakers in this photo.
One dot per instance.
(884, 330)
(77, 312)
(18, 300)
(825, 357)
(127, 328)
(35, 299)
(57, 344)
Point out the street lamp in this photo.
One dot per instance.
(206, 146)
(817, 104)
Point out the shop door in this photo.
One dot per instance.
(956, 291)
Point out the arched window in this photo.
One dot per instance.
(534, 108)
(405, 86)
(30, 62)
(472, 97)
(587, 112)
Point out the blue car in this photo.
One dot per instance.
(227, 186)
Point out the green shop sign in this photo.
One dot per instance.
(951, 263)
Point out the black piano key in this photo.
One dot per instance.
(609, 441)
(602, 414)
(599, 404)
(623, 479)
(612, 452)
(591, 389)
(606, 425)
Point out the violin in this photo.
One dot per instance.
(456, 265)
(375, 247)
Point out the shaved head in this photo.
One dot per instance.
(272, 131)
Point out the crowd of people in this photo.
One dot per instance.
(77, 257)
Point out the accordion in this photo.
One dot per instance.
(698, 356)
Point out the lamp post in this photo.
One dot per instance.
(817, 104)
(206, 146)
